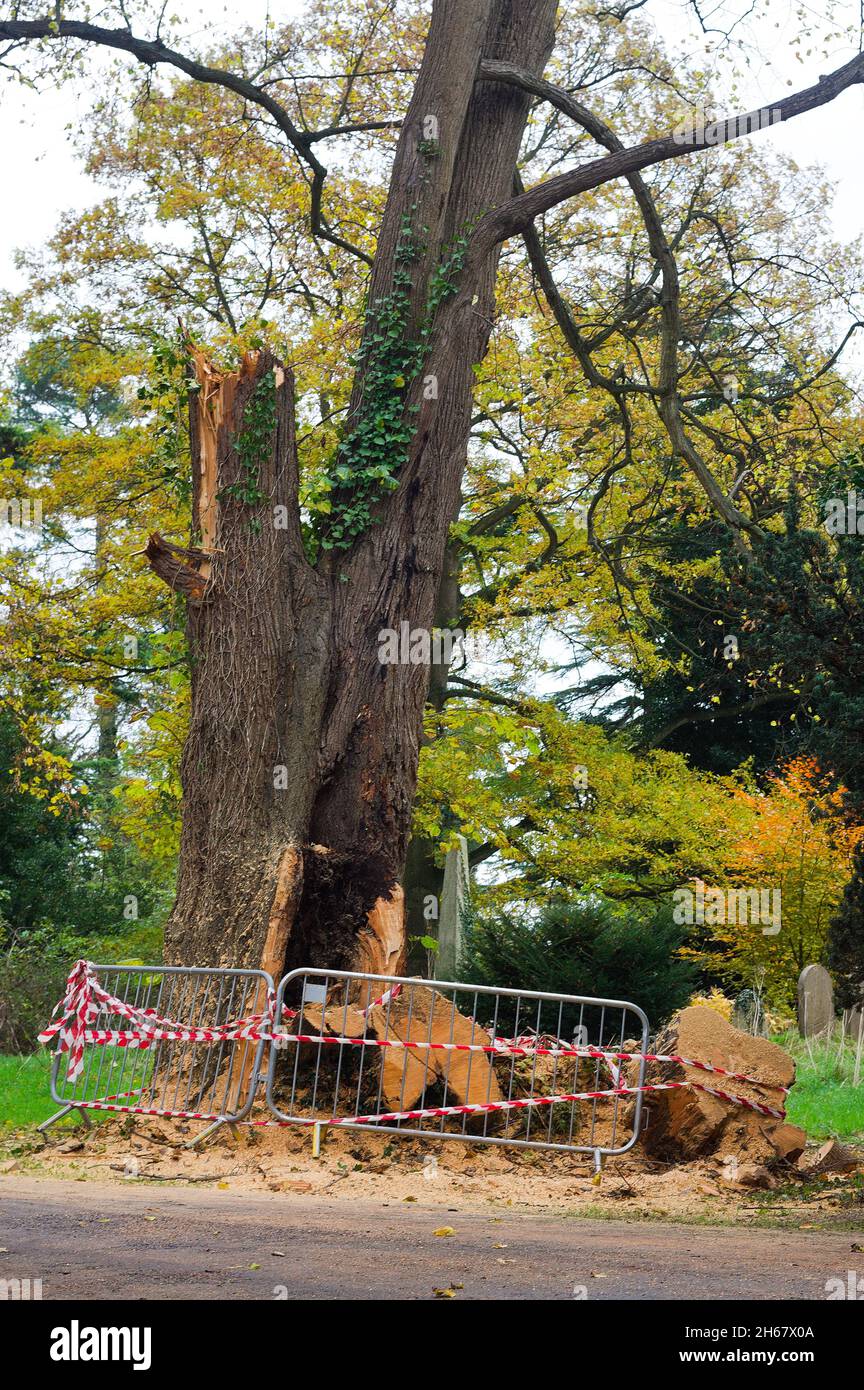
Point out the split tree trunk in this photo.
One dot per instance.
(258, 624)
(300, 767)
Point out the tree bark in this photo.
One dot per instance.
(423, 876)
(300, 766)
(371, 744)
(258, 622)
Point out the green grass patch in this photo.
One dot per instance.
(825, 1099)
(25, 1088)
(25, 1098)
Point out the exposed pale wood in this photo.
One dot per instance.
(381, 944)
(214, 403)
(687, 1124)
(289, 885)
(424, 1016)
(342, 1021)
(286, 896)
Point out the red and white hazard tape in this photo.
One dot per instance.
(79, 1009)
(492, 1106)
(496, 1049)
(385, 999)
(444, 1111)
(85, 998)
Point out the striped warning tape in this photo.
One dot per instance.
(85, 999)
(502, 1048)
(442, 1111)
(383, 1001)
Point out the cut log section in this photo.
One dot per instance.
(420, 1015)
(339, 1020)
(688, 1124)
(831, 1157)
(423, 1015)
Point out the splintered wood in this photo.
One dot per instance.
(187, 569)
(381, 943)
(214, 405)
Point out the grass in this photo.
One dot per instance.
(25, 1098)
(824, 1100)
(25, 1084)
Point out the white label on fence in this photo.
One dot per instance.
(314, 994)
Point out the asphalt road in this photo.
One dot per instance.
(98, 1241)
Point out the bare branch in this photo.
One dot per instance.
(514, 216)
(667, 396)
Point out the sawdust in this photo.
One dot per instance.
(392, 1170)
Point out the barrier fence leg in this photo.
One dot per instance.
(317, 1130)
(61, 1114)
(211, 1129)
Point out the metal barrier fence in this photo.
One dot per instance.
(163, 1040)
(455, 1061)
(404, 1056)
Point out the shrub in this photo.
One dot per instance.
(714, 999)
(34, 968)
(588, 947)
(32, 979)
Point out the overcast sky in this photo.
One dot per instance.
(41, 177)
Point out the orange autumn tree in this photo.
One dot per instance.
(800, 839)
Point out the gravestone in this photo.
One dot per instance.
(748, 1014)
(454, 898)
(815, 1001)
(853, 1021)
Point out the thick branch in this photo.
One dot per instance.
(721, 712)
(171, 564)
(669, 403)
(514, 216)
(480, 853)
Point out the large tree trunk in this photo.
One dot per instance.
(300, 767)
(423, 877)
(258, 633)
